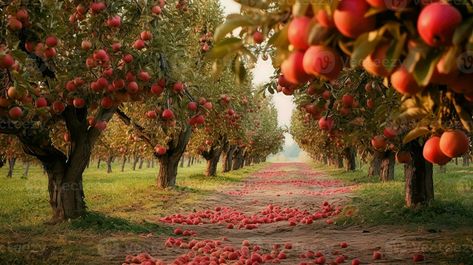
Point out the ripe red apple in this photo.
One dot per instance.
(432, 152)
(347, 100)
(192, 106)
(326, 124)
(14, 24)
(378, 142)
(370, 103)
(355, 262)
(101, 125)
(100, 55)
(144, 76)
(114, 22)
(151, 114)
(50, 52)
(298, 32)
(454, 143)
(350, 20)
(106, 103)
(293, 70)
(404, 82)
(167, 114)
(157, 89)
(132, 87)
(13, 93)
(178, 87)
(320, 260)
(326, 95)
(377, 255)
(418, 257)
(139, 44)
(58, 107)
(67, 137)
(6, 61)
(324, 19)
(78, 102)
(156, 10)
(128, 58)
(41, 102)
(208, 105)
(390, 133)
(146, 35)
(437, 22)
(258, 37)
(51, 41)
(15, 113)
(322, 61)
(97, 7)
(22, 15)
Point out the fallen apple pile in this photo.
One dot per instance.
(237, 219)
(216, 252)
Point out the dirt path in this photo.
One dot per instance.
(256, 211)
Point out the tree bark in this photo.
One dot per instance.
(123, 163)
(350, 159)
(11, 166)
(26, 170)
(109, 164)
(228, 158)
(212, 157)
(189, 159)
(237, 158)
(466, 160)
(443, 169)
(387, 166)
(419, 178)
(99, 162)
(375, 165)
(340, 161)
(182, 162)
(169, 162)
(141, 163)
(135, 162)
(148, 164)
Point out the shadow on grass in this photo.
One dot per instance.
(218, 178)
(100, 223)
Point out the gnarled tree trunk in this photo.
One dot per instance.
(228, 158)
(123, 163)
(212, 157)
(388, 162)
(375, 165)
(169, 162)
(135, 162)
(26, 170)
(419, 177)
(350, 162)
(238, 158)
(109, 164)
(11, 166)
(99, 162)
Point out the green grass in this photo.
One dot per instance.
(122, 206)
(377, 203)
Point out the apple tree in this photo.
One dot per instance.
(422, 50)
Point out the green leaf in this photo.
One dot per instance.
(364, 45)
(465, 116)
(226, 47)
(425, 68)
(415, 133)
(394, 52)
(300, 8)
(449, 59)
(233, 22)
(463, 31)
(280, 39)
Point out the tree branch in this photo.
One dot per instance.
(138, 128)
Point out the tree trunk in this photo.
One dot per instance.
(152, 163)
(182, 162)
(167, 171)
(375, 165)
(109, 164)
(169, 162)
(26, 170)
(189, 159)
(148, 163)
(123, 163)
(212, 164)
(387, 166)
(228, 158)
(466, 160)
(141, 163)
(340, 162)
(456, 161)
(443, 169)
(98, 163)
(135, 162)
(238, 155)
(350, 159)
(11, 166)
(193, 160)
(419, 177)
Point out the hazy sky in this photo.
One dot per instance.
(263, 71)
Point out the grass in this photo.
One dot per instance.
(121, 205)
(382, 204)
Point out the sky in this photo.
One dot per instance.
(262, 73)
